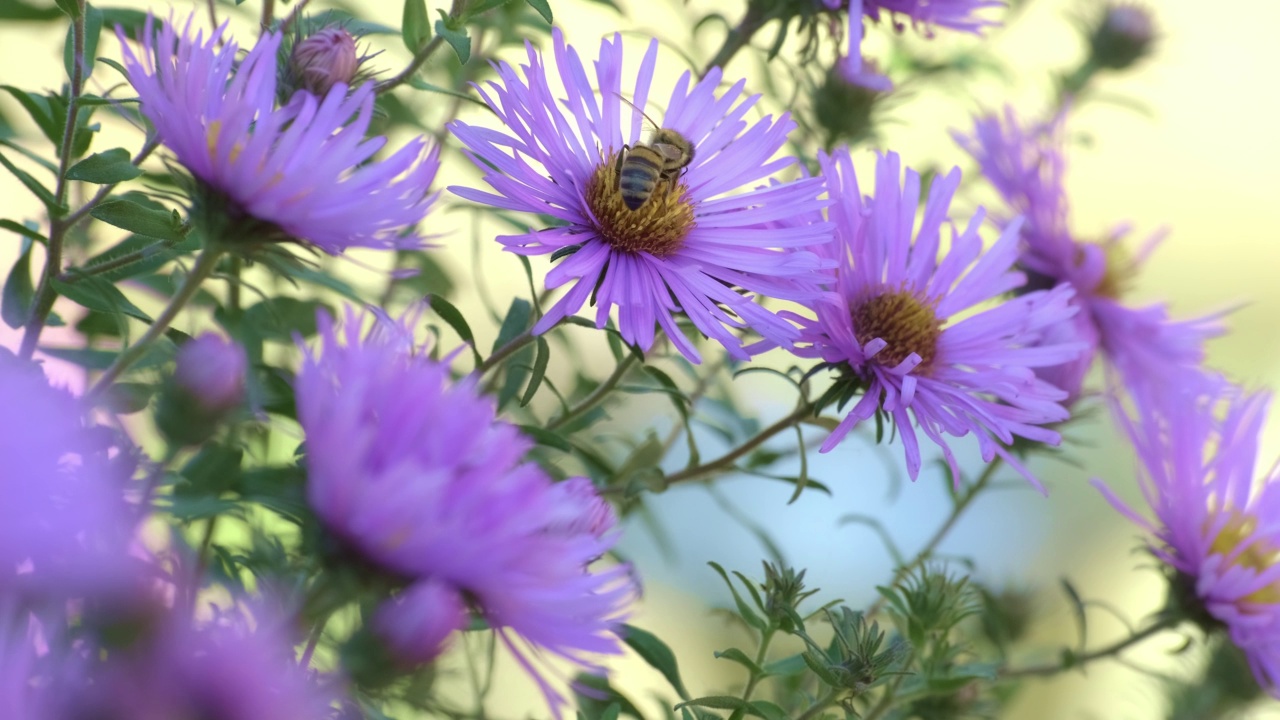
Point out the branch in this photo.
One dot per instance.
(726, 461)
(1071, 660)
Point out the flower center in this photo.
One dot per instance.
(1258, 556)
(658, 226)
(904, 321)
(1119, 274)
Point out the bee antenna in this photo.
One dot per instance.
(638, 109)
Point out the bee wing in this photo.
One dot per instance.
(668, 151)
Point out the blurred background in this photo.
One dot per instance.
(1186, 141)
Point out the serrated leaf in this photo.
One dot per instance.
(19, 291)
(539, 371)
(457, 39)
(137, 218)
(415, 25)
(455, 320)
(657, 654)
(105, 168)
(40, 191)
(543, 8)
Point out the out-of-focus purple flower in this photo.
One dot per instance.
(1215, 523)
(236, 668)
(1025, 164)
(413, 471)
(302, 172)
(417, 624)
(65, 526)
(688, 247)
(324, 59)
(892, 326)
(211, 369)
(25, 690)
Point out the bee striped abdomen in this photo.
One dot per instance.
(641, 168)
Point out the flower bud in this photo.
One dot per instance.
(323, 60)
(417, 624)
(1122, 37)
(843, 106)
(207, 385)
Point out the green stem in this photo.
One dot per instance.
(823, 703)
(602, 390)
(886, 699)
(58, 226)
(203, 268)
(511, 348)
(737, 39)
(961, 505)
(1072, 660)
(421, 57)
(760, 656)
(726, 461)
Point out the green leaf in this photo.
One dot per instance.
(132, 21)
(92, 30)
(69, 7)
(137, 218)
(105, 168)
(456, 37)
(543, 436)
(40, 191)
(15, 306)
(415, 26)
(516, 322)
(23, 230)
(98, 294)
(420, 84)
(280, 317)
(19, 10)
(149, 255)
(543, 8)
(214, 470)
(128, 398)
(655, 652)
(38, 108)
(741, 658)
(516, 370)
(539, 371)
(744, 610)
(454, 318)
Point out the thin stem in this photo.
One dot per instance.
(203, 268)
(699, 389)
(925, 552)
(823, 703)
(58, 227)
(293, 15)
(1075, 661)
(317, 632)
(760, 656)
(602, 390)
(513, 345)
(421, 56)
(213, 13)
(268, 13)
(738, 38)
(726, 461)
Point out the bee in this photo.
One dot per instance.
(641, 168)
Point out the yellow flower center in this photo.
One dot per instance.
(1258, 556)
(658, 226)
(904, 321)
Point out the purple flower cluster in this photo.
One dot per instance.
(1025, 164)
(413, 472)
(892, 324)
(691, 247)
(1215, 520)
(301, 172)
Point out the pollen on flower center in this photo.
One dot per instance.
(658, 227)
(1258, 556)
(904, 321)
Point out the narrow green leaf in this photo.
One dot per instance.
(280, 318)
(104, 168)
(140, 219)
(420, 84)
(15, 307)
(37, 107)
(457, 38)
(40, 191)
(543, 8)
(543, 436)
(98, 294)
(23, 230)
(516, 322)
(454, 318)
(657, 654)
(415, 26)
(539, 371)
(744, 610)
(19, 10)
(741, 658)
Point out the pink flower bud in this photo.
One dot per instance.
(324, 59)
(211, 370)
(417, 624)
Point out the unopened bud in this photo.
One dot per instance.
(844, 104)
(416, 625)
(1122, 37)
(323, 60)
(207, 385)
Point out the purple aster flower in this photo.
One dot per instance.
(414, 472)
(65, 526)
(1215, 524)
(301, 172)
(892, 326)
(1025, 164)
(241, 666)
(687, 246)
